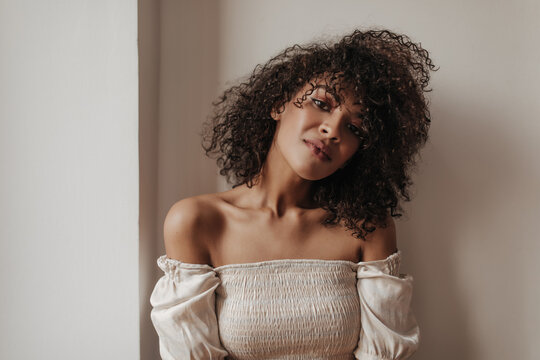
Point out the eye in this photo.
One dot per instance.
(321, 104)
(355, 130)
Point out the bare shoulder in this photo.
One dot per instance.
(186, 229)
(381, 243)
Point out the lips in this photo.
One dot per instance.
(320, 145)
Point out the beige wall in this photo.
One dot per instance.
(470, 237)
(69, 180)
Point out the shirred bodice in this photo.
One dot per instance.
(287, 307)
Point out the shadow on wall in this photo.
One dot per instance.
(178, 72)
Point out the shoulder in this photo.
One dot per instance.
(185, 229)
(380, 243)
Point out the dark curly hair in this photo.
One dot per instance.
(386, 72)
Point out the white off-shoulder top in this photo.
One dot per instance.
(285, 309)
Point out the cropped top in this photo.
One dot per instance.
(285, 309)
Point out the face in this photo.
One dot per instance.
(320, 120)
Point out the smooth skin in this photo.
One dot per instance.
(276, 218)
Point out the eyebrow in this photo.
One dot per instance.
(357, 114)
(326, 87)
(328, 91)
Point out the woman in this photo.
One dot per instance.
(320, 142)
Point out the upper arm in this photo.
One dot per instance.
(182, 232)
(381, 243)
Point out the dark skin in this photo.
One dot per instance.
(276, 218)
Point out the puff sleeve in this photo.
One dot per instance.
(389, 328)
(183, 311)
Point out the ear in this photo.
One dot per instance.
(275, 115)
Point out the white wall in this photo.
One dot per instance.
(469, 237)
(69, 183)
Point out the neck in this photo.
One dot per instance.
(279, 191)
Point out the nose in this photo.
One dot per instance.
(331, 126)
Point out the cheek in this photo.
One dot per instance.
(284, 137)
(350, 151)
(291, 126)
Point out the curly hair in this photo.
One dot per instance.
(387, 74)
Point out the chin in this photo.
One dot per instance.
(312, 170)
(313, 176)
